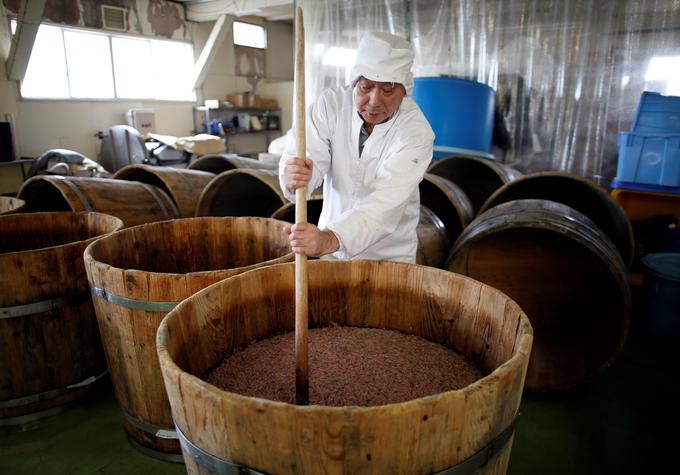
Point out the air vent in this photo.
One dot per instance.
(114, 18)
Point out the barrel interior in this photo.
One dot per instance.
(43, 230)
(341, 293)
(578, 194)
(212, 163)
(287, 211)
(42, 195)
(477, 178)
(572, 298)
(143, 176)
(239, 194)
(189, 245)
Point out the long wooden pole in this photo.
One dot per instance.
(301, 283)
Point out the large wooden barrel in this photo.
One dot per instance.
(182, 185)
(433, 241)
(242, 192)
(137, 275)
(449, 202)
(425, 435)
(133, 202)
(566, 275)
(578, 193)
(218, 163)
(11, 205)
(478, 177)
(51, 350)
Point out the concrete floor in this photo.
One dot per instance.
(624, 422)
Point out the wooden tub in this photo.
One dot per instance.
(222, 430)
(567, 276)
(51, 353)
(183, 186)
(137, 275)
(133, 202)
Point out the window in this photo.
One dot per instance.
(78, 64)
(663, 73)
(247, 34)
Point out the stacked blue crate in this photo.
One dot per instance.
(649, 155)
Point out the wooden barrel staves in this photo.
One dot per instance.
(183, 186)
(227, 431)
(477, 177)
(133, 202)
(219, 163)
(578, 193)
(565, 274)
(51, 350)
(137, 275)
(242, 192)
(11, 205)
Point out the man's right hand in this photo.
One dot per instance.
(297, 173)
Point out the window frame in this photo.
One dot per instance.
(114, 99)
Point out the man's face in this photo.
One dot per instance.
(377, 101)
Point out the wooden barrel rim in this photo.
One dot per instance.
(624, 242)
(90, 260)
(498, 169)
(590, 237)
(117, 226)
(219, 163)
(455, 197)
(163, 353)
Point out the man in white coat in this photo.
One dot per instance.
(370, 145)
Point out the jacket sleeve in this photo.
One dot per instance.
(380, 213)
(321, 118)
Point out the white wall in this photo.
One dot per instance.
(42, 125)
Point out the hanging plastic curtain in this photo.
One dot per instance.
(568, 73)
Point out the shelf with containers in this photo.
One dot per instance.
(237, 120)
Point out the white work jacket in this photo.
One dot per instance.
(371, 202)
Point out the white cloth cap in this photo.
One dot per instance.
(384, 57)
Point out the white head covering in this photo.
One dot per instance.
(384, 57)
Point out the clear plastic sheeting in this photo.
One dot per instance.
(568, 73)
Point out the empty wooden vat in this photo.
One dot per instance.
(566, 275)
(578, 193)
(219, 163)
(223, 431)
(133, 202)
(11, 205)
(449, 202)
(477, 177)
(137, 275)
(242, 192)
(51, 350)
(183, 186)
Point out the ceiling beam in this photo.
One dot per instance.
(30, 16)
(210, 10)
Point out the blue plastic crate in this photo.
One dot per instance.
(657, 114)
(651, 159)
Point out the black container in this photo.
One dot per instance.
(6, 144)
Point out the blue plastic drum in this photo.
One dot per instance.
(460, 113)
